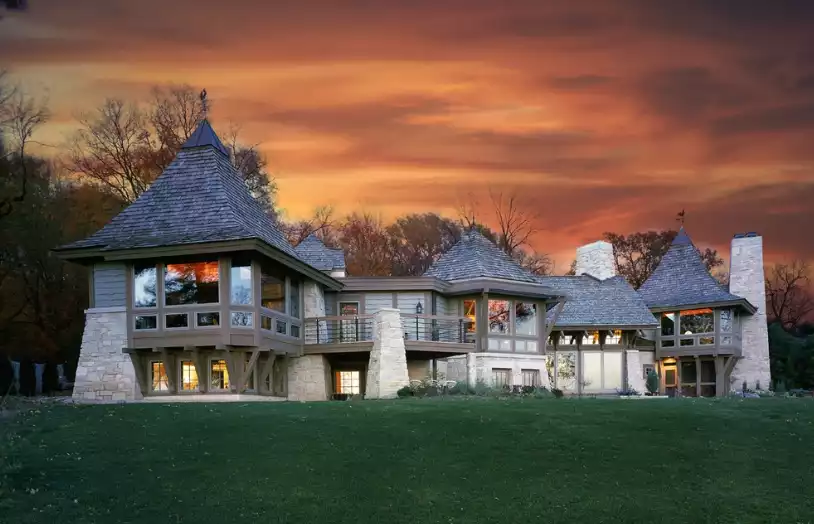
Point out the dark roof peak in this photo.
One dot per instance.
(682, 238)
(315, 252)
(475, 256)
(204, 136)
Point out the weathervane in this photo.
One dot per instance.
(204, 105)
(680, 217)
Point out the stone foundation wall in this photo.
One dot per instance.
(484, 363)
(596, 259)
(387, 370)
(103, 372)
(308, 378)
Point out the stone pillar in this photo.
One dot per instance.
(104, 372)
(314, 306)
(471, 370)
(597, 260)
(387, 369)
(634, 370)
(308, 378)
(746, 279)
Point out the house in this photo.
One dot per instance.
(194, 291)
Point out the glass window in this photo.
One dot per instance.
(726, 320)
(159, 377)
(571, 338)
(697, 321)
(348, 382)
(176, 321)
(668, 322)
(218, 375)
(687, 342)
(146, 322)
(295, 331)
(193, 283)
(501, 377)
(499, 316)
(567, 370)
(612, 370)
(525, 319)
(294, 299)
(241, 282)
(531, 377)
(273, 289)
(726, 341)
(592, 371)
(189, 376)
(469, 312)
(281, 327)
(500, 344)
(209, 319)
(525, 346)
(265, 322)
(688, 371)
(242, 319)
(613, 337)
(144, 291)
(668, 343)
(706, 341)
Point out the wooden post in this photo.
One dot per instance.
(267, 371)
(140, 367)
(697, 376)
(171, 368)
(249, 368)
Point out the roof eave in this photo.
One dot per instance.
(742, 302)
(604, 326)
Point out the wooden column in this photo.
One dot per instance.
(140, 367)
(267, 371)
(697, 376)
(171, 369)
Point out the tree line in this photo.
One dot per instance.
(123, 145)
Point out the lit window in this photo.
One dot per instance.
(241, 282)
(591, 338)
(193, 283)
(144, 291)
(469, 313)
(272, 289)
(189, 376)
(697, 321)
(347, 382)
(159, 377)
(219, 375)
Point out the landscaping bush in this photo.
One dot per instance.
(652, 383)
(28, 378)
(627, 391)
(406, 391)
(460, 388)
(557, 393)
(50, 379)
(6, 376)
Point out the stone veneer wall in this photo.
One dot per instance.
(308, 378)
(103, 372)
(634, 371)
(387, 369)
(746, 279)
(596, 259)
(314, 305)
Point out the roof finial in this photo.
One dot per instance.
(680, 217)
(204, 103)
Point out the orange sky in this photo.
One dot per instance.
(602, 115)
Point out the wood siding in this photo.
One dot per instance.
(376, 301)
(109, 285)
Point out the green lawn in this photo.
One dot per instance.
(440, 460)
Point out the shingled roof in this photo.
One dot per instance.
(200, 197)
(591, 302)
(316, 253)
(681, 279)
(475, 256)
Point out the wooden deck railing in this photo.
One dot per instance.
(339, 330)
(437, 328)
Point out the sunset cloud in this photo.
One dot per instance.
(604, 116)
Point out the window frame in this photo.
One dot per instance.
(163, 366)
(181, 389)
(163, 271)
(228, 377)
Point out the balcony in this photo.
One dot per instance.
(434, 333)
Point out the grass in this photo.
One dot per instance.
(431, 460)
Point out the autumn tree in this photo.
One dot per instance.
(124, 145)
(321, 223)
(417, 240)
(638, 254)
(366, 245)
(789, 295)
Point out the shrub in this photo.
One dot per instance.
(541, 393)
(406, 391)
(6, 376)
(460, 388)
(627, 391)
(527, 390)
(50, 379)
(652, 382)
(557, 393)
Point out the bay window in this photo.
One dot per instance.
(145, 288)
(241, 282)
(499, 316)
(273, 289)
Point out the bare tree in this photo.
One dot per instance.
(252, 165)
(537, 263)
(788, 293)
(322, 224)
(516, 225)
(20, 116)
(114, 149)
(417, 240)
(366, 245)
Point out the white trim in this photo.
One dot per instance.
(114, 309)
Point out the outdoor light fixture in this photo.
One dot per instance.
(419, 308)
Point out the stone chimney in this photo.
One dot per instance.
(597, 260)
(746, 279)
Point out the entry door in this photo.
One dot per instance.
(348, 328)
(670, 379)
